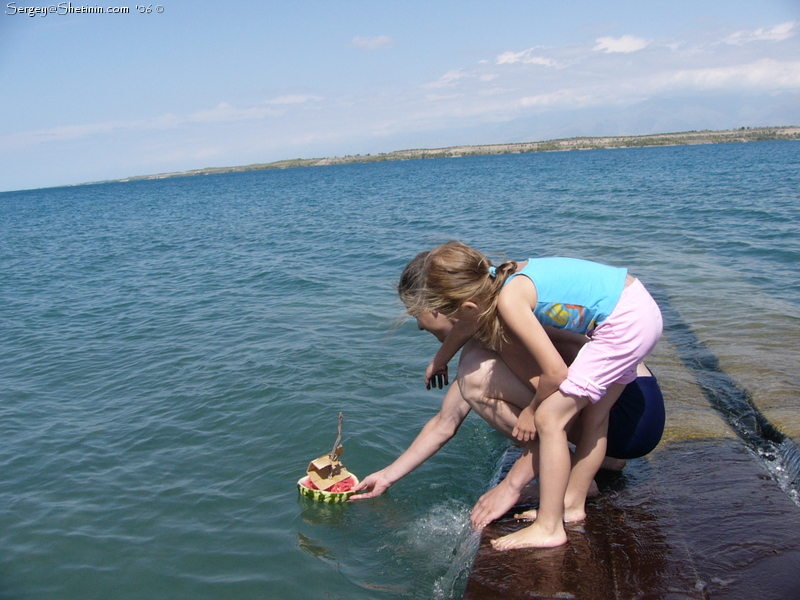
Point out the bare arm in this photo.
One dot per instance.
(515, 306)
(459, 335)
(433, 436)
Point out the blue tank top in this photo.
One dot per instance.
(573, 294)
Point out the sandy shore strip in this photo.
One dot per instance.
(744, 134)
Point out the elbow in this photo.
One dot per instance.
(553, 378)
(446, 428)
(558, 374)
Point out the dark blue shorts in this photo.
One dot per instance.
(636, 422)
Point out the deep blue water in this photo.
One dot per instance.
(174, 352)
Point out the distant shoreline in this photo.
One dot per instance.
(686, 138)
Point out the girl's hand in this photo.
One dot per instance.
(525, 429)
(375, 485)
(436, 375)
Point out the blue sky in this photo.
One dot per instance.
(88, 97)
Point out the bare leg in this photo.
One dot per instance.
(552, 418)
(490, 388)
(589, 453)
(589, 456)
(612, 464)
(496, 394)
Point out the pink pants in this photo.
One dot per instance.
(618, 344)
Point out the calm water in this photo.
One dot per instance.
(174, 352)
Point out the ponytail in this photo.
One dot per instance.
(490, 328)
(455, 274)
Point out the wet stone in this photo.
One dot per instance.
(695, 519)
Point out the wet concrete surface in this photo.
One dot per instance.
(695, 519)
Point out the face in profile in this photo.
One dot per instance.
(435, 323)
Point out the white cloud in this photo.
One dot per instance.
(774, 34)
(448, 79)
(626, 44)
(764, 74)
(380, 42)
(525, 57)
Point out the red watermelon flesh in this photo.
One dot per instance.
(345, 485)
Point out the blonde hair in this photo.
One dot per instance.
(412, 280)
(455, 274)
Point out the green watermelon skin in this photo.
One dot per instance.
(320, 496)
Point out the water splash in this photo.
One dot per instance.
(438, 531)
(446, 538)
(447, 586)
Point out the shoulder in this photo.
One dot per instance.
(516, 291)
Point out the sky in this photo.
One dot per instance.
(187, 85)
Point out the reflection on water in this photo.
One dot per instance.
(674, 526)
(313, 548)
(323, 513)
(620, 550)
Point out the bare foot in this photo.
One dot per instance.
(528, 515)
(533, 536)
(574, 515)
(493, 504)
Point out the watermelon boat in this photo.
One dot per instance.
(327, 479)
(338, 492)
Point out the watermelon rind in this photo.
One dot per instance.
(321, 496)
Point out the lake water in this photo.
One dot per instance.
(175, 351)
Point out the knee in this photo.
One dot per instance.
(545, 421)
(473, 381)
(552, 418)
(474, 371)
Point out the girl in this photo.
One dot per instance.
(509, 306)
(486, 385)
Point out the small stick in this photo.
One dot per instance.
(334, 455)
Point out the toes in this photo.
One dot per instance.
(528, 515)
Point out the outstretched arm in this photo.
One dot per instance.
(435, 434)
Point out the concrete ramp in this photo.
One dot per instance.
(695, 519)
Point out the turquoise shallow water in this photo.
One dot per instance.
(173, 352)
